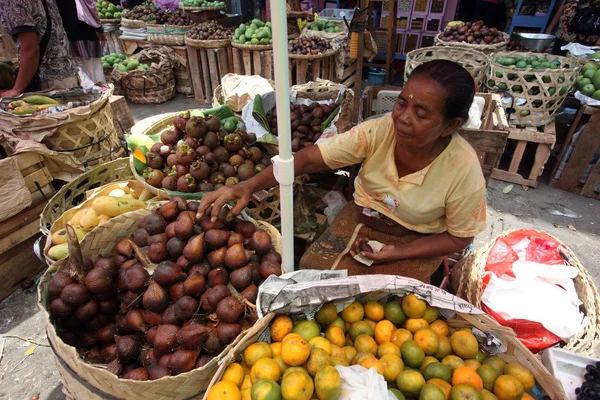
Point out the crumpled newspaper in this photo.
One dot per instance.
(580, 50)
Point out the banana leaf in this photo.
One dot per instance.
(258, 113)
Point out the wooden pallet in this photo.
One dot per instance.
(207, 67)
(579, 160)
(253, 62)
(122, 118)
(349, 78)
(544, 142)
(183, 74)
(303, 70)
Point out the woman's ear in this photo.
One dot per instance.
(453, 125)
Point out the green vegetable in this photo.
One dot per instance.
(249, 32)
(242, 28)
(222, 112)
(230, 124)
(258, 22)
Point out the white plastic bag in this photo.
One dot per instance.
(475, 113)
(335, 202)
(359, 383)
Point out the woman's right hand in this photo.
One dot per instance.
(239, 193)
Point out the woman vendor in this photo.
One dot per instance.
(420, 190)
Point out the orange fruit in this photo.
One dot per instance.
(337, 351)
(246, 383)
(444, 347)
(234, 374)
(507, 387)
(388, 348)
(374, 311)
(480, 356)
(349, 341)
(453, 362)
(339, 322)
(410, 383)
(350, 352)
(224, 390)
(321, 343)
(426, 361)
(245, 367)
(413, 307)
(256, 351)
(265, 368)
(464, 391)
(361, 327)
(430, 391)
(297, 385)
(428, 340)
(414, 324)
(353, 312)
(472, 363)
(372, 324)
(412, 354)
(526, 397)
(400, 336)
(295, 369)
(307, 329)
(276, 348)
(392, 366)
(488, 375)
(440, 327)
(487, 395)
(282, 365)
(335, 335)
(326, 315)
(328, 383)
(339, 360)
(360, 357)
(365, 344)
(464, 344)
(521, 373)
(394, 313)
(495, 362)
(431, 314)
(265, 389)
(384, 330)
(294, 350)
(442, 384)
(372, 362)
(466, 375)
(437, 370)
(280, 327)
(316, 361)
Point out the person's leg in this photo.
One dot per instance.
(489, 14)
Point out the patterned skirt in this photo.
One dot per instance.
(86, 48)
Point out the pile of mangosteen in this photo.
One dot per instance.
(473, 33)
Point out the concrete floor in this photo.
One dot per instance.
(22, 377)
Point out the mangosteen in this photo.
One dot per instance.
(205, 187)
(213, 123)
(154, 160)
(153, 177)
(202, 150)
(185, 154)
(217, 178)
(246, 172)
(196, 128)
(199, 170)
(211, 140)
(169, 137)
(181, 120)
(181, 169)
(165, 150)
(232, 180)
(233, 142)
(186, 184)
(190, 141)
(169, 182)
(221, 154)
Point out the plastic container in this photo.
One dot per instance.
(337, 14)
(567, 367)
(376, 76)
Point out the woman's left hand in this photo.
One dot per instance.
(387, 253)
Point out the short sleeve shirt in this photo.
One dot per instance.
(19, 16)
(447, 195)
(564, 24)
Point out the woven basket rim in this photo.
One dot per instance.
(413, 53)
(208, 44)
(326, 54)
(562, 59)
(166, 39)
(189, 8)
(111, 21)
(252, 46)
(167, 26)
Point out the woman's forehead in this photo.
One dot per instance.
(424, 90)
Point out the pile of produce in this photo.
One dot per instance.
(308, 122)
(201, 154)
(112, 59)
(257, 32)
(131, 64)
(325, 26)
(514, 45)
(108, 10)
(404, 340)
(93, 214)
(473, 33)
(591, 387)
(588, 81)
(521, 62)
(147, 325)
(202, 3)
(168, 17)
(143, 12)
(210, 30)
(31, 104)
(308, 46)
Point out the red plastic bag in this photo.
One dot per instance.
(542, 249)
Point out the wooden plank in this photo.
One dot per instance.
(589, 189)
(17, 264)
(542, 153)
(247, 56)
(42, 177)
(332, 71)
(325, 70)
(301, 71)
(512, 178)
(268, 64)
(257, 62)
(18, 236)
(349, 71)
(566, 144)
(517, 156)
(46, 194)
(205, 74)
(223, 63)
(28, 159)
(230, 58)
(196, 74)
(237, 62)
(531, 136)
(316, 69)
(214, 71)
(23, 218)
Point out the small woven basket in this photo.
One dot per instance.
(169, 35)
(325, 54)
(484, 48)
(257, 47)
(474, 61)
(132, 23)
(467, 284)
(208, 44)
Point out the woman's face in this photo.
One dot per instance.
(419, 113)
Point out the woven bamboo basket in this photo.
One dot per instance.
(92, 141)
(538, 93)
(110, 21)
(325, 54)
(82, 380)
(516, 351)
(169, 35)
(117, 87)
(467, 283)
(484, 48)
(474, 61)
(132, 23)
(208, 44)
(195, 9)
(257, 47)
(150, 87)
(73, 193)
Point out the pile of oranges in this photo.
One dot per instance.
(404, 340)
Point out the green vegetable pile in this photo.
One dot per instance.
(202, 3)
(107, 10)
(127, 64)
(112, 59)
(521, 62)
(256, 33)
(325, 26)
(588, 82)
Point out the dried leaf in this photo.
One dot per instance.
(507, 189)
(30, 350)
(35, 397)
(571, 227)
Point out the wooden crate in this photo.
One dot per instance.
(543, 141)
(37, 177)
(349, 78)
(306, 70)
(207, 67)
(122, 118)
(19, 263)
(580, 158)
(183, 76)
(253, 62)
(130, 47)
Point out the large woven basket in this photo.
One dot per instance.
(86, 381)
(538, 93)
(467, 283)
(169, 35)
(484, 48)
(132, 23)
(92, 141)
(256, 47)
(474, 61)
(208, 44)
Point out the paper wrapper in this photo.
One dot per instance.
(17, 196)
(586, 101)
(376, 246)
(239, 90)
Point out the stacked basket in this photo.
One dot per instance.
(169, 35)
(484, 48)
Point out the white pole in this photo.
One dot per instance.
(284, 162)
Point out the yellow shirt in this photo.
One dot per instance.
(447, 195)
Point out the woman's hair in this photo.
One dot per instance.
(456, 80)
